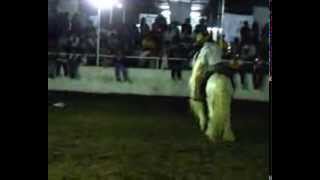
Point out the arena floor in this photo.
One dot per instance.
(111, 137)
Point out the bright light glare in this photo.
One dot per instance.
(164, 7)
(195, 14)
(104, 4)
(119, 5)
(215, 31)
(166, 13)
(195, 8)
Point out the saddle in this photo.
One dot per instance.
(220, 68)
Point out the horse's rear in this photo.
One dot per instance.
(219, 95)
(214, 109)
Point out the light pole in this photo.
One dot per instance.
(110, 17)
(123, 16)
(98, 36)
(100, 5)
(222, 12)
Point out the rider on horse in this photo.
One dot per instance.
(211, 63)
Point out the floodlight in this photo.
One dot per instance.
(194, 14)
(166, 13)
(164, 7)
(104, 4)
(195, 7)
(119, 5)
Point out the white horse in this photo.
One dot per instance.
(214, 109)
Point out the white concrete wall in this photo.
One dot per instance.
(70, 6)
(179, 11)
(261, 15)
(232, 24)
(145, 82)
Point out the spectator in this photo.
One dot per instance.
(91, 47)
(186, 47)
(260, 70)
(235, 66)
(201, 27)
(166, 41)
(186, 28)
(248, 52)
(114, 42)
(90, 27)
(201, 38)
(264, 44)
(62, 59)
(84, 48)
(171, 32)
(144, 28)
(74, 63)
(201, 35)
(134, 33)
(120, 66)
(235, 47)
(160, 24)
(53, 31)
(235, 63)
(244, 32)
(52, 66)
(76, 25)
(63, 23)
(148, 48)
(74, 58)
(104, 40)
(224, 46)
(175, 65)
(83, 43)
(91, 41)
(125, 38)
(255, 33)
(74, 41)
(158, 29)
(148, 42)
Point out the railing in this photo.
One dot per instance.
(158, 59)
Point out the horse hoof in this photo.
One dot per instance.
(229, 139)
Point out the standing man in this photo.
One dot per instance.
(186, 28)
(120, 67)
(245, 32)
(62, 58)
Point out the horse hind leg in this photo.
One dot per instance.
(219, 124)
(227, 132)
(214, 129)
(199, 111)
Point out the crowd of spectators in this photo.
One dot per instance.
(67, 38)
(253, 46)
(161, 39)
